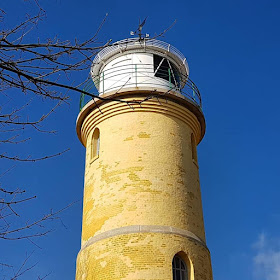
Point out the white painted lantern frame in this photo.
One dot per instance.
(130, 64)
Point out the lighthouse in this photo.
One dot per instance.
(142, 210)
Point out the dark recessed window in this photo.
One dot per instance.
(95, 143)
(179, 269)
(166, 70)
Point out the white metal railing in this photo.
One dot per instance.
(144, 43)
(138, 75)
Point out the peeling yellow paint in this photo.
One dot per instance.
(144, 135)
(128, 138)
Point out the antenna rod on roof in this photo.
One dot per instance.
(139, 30)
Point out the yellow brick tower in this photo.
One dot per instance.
(142, 216)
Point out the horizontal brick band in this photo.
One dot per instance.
(143, 229)
(92, 114)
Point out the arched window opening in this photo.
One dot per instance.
(179, 268)
(194, 152)
(95, 144)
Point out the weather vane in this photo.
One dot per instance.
(139, 30)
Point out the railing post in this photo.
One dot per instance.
(82, 97)
(169, 77)
(98, 82)
(136, 74)
(103, 81)
(193, 91)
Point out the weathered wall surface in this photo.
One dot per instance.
(142, 256)
(144, 175)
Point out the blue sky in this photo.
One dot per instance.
(232, 48)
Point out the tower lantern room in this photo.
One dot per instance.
(146, 64)
(142, 211)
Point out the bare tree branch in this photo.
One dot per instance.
(29, 159)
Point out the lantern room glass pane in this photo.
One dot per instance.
(166, 70)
